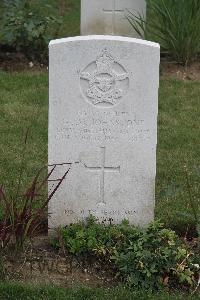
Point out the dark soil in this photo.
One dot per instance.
(16, 62)
(191, 72)
(41, 263)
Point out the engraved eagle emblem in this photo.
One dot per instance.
(103, 84)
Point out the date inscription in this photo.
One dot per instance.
(104, 126)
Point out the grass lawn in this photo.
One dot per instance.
(178, 145)
(71, 23)
(70, 9)
(24, 104)
(29, 292)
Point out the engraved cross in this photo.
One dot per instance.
(103, 169)
(113, 11)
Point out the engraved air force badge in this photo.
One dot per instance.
(105, 81)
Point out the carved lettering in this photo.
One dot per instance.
(101, 126)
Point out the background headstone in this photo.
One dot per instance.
(108, 16)
(103, 119)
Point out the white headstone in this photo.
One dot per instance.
(103, 119)
(109, 16)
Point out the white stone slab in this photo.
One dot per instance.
(103, 118)
(108, 16)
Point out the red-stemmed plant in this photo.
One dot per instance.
(23, 213)
(20, 221)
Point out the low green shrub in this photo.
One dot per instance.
(152, 257)
(26, 28)
(174, 24)
(89, 238)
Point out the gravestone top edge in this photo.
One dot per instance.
(104, 38)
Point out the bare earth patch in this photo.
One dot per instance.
(17, 62)
(185, 73)
(40, 263)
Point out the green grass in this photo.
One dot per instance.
(71, 23)
(24, 104)
(14, 291)
(178, 145)
(71, 16)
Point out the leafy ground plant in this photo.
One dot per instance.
(151, 258)
(174, 24)
(26, 28)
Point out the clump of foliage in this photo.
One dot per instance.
(26, 28)
(89, 238)
(151, 257)
(172, 23)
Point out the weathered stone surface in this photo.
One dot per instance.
(108, 16)
(103, 119)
